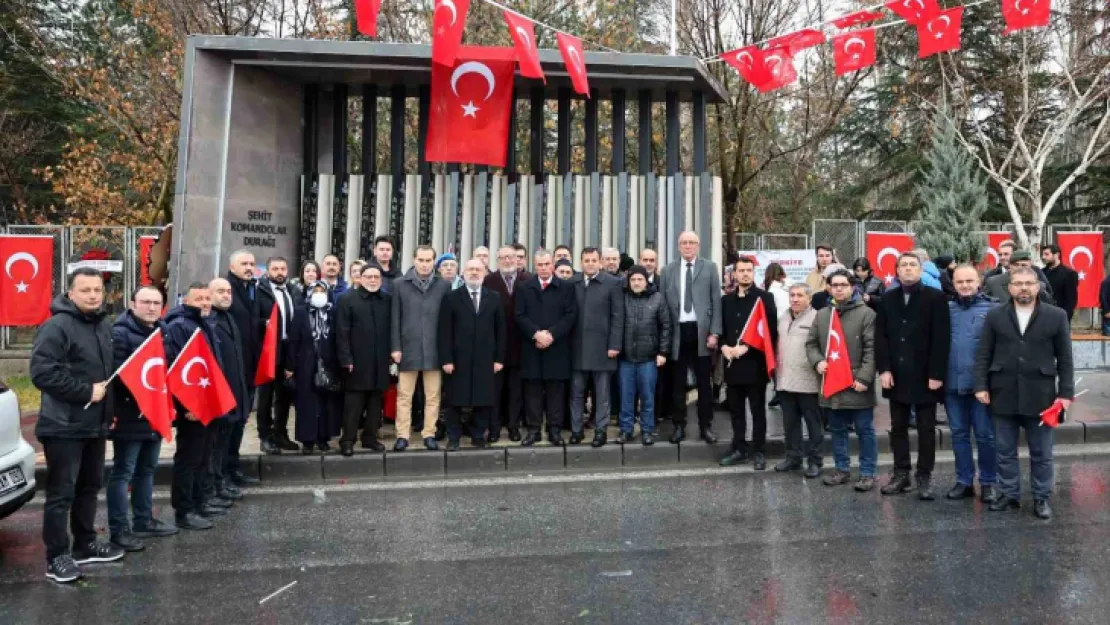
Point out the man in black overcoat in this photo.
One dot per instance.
(245, 312)
(509, 409)
(362, 327)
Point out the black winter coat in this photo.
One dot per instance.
(553, 309)
(472, 343)
(751, 368)
(128, 333)
(70, 353)
(496, 283)
(362, 337)
(647, 326)
(234, 367)
(1064, 282)
(912, 343)
(252, 327)
(1025, 373)
(303, 356)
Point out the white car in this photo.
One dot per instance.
(17, 457)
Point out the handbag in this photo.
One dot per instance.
(323, 379)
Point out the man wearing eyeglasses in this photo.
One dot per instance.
(1023, 366)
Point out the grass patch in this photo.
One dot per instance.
(29, 396)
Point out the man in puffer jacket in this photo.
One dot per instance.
(965, 413)
(645, 348)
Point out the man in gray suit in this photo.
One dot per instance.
(598, 333)
(691, 287)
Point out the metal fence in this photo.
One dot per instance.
(843, 235)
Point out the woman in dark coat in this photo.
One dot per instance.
(312, 343)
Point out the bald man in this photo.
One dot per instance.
(217, 481)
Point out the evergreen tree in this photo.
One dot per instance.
(953, 194)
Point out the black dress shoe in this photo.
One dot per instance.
(734, 458)
(556, 438)
(347, 449)
(925, 488)
(960, 491)
(759, 463)
(813, 470)
(1003, 503)
(269, 448)
(708, 436)
(373, 445)
(430, 443)
(898, 483)
(790, 464)
(577, 437)
(988, 493)
(1042, 509)
(324, 447)
(627, 437)
(193, 522)
(285, 444)
(514, 435)
(401, 444)
(219, 502)
(532, 438)
(209, 512)
(241, 479)
(600, 438)
(679, 434)
(452, 445)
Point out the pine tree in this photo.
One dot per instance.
(953, 194)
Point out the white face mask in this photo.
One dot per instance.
(318, 300)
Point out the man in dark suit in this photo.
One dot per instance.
(1023, 366)
(1063, 280)
(362, 328)
(275, 397)
(218, 484)
(598, 333)
(912, 332)
(244, 311)
(472, 349)
(545, 314)
(509, 409)
(691, 286)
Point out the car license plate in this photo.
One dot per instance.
(12, 479)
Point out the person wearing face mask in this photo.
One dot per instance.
(362, 331)
(313, 364)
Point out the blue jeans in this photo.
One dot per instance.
(133, 463)
(1006, 429)
(637, 379)
(864, 420)
(965, 414)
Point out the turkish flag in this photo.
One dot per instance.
(448, 22)
(1082, 251)
(914, 11)
(857, 18)
(940, 33)
(882, 246)
(757, 334)
(749, 62)
(853, 51)
(144, 374)
(523, 32)
(267, 360)
(1022, 14)
(366, 14)
(196, 380)
(990, 257)
(1053, 415)
(571, 49)
(778, 69)
(472, 102)
(27, 285)
(797, 41)
(146, 244)
(838, 374)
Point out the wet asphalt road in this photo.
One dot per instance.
(655, 549)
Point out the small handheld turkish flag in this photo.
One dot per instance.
(1082, 251)
(1051, 416)
(267, 360)
(838, 372)
(882, 246)
(196, 380)
(472, 102)
(757, 334)
(854, 51)
(857, 18)
(778, 66)
(366, 15)
(26, 286)
(940, 33)
(1022, 14)
(914, 11)
(571, 49)
(448, 22)
(523, 33)
(144, 374)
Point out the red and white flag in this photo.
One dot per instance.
(857, 18)
(144, 374)
(26, 286)
(366, 16)
(523, 32)
(757, 334)
(472, 103)
(267, 360)
(196, 380)
(749, 62)
(797, 41)
(448, 22)
(571, 49)
(939, 33)
(914, 11)
(1082, 251)
(778, 69)
(838, 372)
(1023, 14)
(883, 250)
(853, 51)
(990, 255)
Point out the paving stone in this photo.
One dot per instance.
(291, 468)
(660, 454)
(534, 459)
(415, 464)
(585, 457)
(471, 461)
(368, 465)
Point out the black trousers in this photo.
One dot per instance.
(480, 422)
(191, 463)
(235, 440)
(545, 396)
(796, 408)
(74, 475)
(216, 478)
(663, 394)
(355, 403)
(509, 411)
(274, 400)
(926, 436)
(703, 371)
(756, 397)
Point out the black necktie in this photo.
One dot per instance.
(287, 310)
(474, 296)
(509, 283)
(688, 298)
